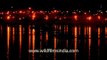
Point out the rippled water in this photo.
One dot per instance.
(17, 40)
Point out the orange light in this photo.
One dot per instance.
(46, 36)
(75, 17)
(46, 17)
(33, 11)
(99, 17)
(20, 12)
(55, 11)
(33, 16)
(8, 17)
(89, 18)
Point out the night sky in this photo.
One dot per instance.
(61, 4)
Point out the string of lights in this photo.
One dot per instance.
(53, 14)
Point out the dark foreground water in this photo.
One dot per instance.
(17, 40)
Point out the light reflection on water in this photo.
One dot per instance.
(29, 41)
(99, 32)
(105, 32)
(56, 33)
(55, 44)
(33, 43)
(8, 41)
(75, 42)
(13, 34)
(89, 41)
(20, 40)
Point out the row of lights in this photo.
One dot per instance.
(43, 12)
(46, 17)
(33, 15)
(87, 18)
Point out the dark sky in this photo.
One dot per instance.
(67, 4)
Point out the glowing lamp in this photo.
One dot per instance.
(8, 17)
(46, 17)
(33, 16)
(55, 11)
(75, 17)
(89, 18)
(99, 17)
(20, 12)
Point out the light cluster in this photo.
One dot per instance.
(53, 14)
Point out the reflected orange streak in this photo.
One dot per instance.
(105, 32)
(41, 36)
(66, 43)
(20, 39)
(33, 43)
(60, 27)
(85, 31)
(46, 36)
(89, 41)
(20, 35)
(8, 40)
(75, 41)
(8, 36)
(54, 42)
(98, 32)
(75, 31)
(89, 32)
(13, 30)
(29, 36)
(29, 41)
(98, 37)
(75, 47)
(66, 28)
(55, 47)
(33, 39)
